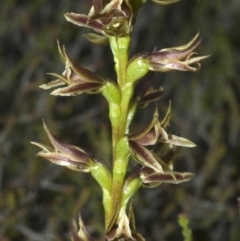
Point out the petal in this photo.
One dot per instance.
(52, 84)
(196, 59)
(44, 147)
(61, 52)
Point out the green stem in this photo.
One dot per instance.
(120, 50)
(121, 113)
(121, 153)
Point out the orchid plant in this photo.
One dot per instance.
(152, 147)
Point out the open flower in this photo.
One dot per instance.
(110, 17)
(78, 79)
(180, 58)
(176, 58)
(155, 136)
(64, 154)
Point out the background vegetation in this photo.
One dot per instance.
(38, 198)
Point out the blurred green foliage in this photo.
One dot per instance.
(38, 199)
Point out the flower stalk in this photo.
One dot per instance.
(152, 147)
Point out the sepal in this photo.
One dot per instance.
(150, 178)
